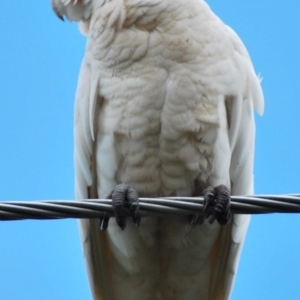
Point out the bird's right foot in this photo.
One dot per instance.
(123, 197)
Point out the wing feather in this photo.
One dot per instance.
(97, 253)
(242, 134)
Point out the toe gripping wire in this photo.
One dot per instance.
(97, 208)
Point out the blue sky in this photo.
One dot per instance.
(39, 63)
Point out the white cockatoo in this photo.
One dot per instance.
(164, 107)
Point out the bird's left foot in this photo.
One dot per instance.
(217, 204)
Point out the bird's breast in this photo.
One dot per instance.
(162, 127)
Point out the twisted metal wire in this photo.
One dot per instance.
(95, 208)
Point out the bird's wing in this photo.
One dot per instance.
(240, 116)
(87, 101)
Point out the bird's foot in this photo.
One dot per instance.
(217, 204)
(123, 197)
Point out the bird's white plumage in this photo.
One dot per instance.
(164, 103)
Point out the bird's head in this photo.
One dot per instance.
(73, 10)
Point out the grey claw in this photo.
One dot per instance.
(135, 207)
(212, 219)
(103, 222)
(193, 219)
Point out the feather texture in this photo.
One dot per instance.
(165, 103)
